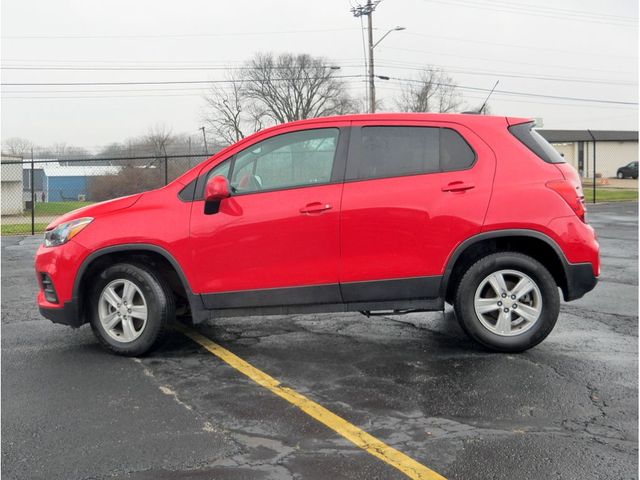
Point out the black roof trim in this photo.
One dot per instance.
(557, 136)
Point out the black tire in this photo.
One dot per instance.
(159, 300)
(620, 175)
(470, 282)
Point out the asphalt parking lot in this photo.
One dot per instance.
(565, 409)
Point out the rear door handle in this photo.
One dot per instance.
(315, 207)
(458, 187)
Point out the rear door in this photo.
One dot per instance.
(413, 191)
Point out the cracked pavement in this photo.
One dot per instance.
(565, 409)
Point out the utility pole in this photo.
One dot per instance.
(360, 11)
(372, 85)
(204, 136)
(367, 10)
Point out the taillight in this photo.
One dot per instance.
(572, 195)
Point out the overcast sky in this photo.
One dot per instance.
(585, 49)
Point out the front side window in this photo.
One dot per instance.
(221, 169)
(293, 159)
(390, 151)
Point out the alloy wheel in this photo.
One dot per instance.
(122, 310)
(508, 302)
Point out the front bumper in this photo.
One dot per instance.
(66, 315)
(61, 265)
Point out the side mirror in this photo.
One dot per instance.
(217, 189)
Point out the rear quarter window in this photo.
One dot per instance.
(536, 142)
(455, 152)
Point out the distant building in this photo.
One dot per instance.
(62, 183)
(11, 180)
(614, 149)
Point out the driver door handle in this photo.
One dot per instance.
(315, 207)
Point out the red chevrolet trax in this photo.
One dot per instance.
(369, 213)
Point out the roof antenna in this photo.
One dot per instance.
(487, 99)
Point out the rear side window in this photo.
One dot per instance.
(390, 151)
(536, 142)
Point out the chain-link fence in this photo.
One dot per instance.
(35, 192)
(608, 168)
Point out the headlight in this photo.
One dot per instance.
(65, 231)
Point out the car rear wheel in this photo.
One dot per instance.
(507, 302)
(130, 308)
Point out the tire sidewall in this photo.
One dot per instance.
(465, 308)
(154, 296)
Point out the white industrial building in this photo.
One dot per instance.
(613, 149)
(11, 181)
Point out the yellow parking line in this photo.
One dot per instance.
(355, 435)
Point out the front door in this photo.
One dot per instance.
(274, 242)
(412, 193)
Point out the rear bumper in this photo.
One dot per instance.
(66, 315)
(580, 280)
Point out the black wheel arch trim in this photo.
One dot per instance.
(195, 302)
(574, 289)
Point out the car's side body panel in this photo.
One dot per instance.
(384, 243)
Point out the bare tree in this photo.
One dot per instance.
(294, 87)
(158, 139)
(17, 146)
(226, 111)
(276, 89)
(59, 149)
(434, 91)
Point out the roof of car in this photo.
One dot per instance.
(453, 117)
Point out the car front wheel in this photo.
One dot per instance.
(507, 302)
(620, 175)
(130, 308)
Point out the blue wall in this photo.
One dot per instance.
(66, 188)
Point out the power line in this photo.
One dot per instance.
(396, 87)
(390, 63)
(522, 9)
(504, 60)
(163, 82)
(79, 69)
(172, 35)
(535, 47)
(450, 69)
(523, 94)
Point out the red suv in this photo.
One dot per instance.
(369, 213)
